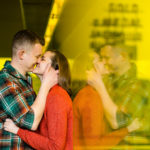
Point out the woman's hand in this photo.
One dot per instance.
(10, 126)
(135, 125)
(94, 78)
(99, 65)
(50, 76)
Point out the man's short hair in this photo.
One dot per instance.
(24, 38)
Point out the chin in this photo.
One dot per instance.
(36, 71)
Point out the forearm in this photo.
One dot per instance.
(110, 108)
(49, 79)
(39, 105)
(37, 141)
(56, 138)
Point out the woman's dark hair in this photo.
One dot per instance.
(60, 62)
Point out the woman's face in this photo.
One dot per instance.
(43, 62)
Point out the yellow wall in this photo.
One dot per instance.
(77, 20)
(75, 28)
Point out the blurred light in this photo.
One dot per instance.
(142, 69)
(52, 21)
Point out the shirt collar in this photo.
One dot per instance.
(11, 70)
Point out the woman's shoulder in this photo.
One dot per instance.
(57, 90)
(59, 95)
(87, 93)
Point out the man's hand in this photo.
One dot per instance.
(10, 126)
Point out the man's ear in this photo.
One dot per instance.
(21, 54)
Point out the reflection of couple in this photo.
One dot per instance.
(95, 103)
(18, 100)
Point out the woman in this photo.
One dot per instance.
(56, 127)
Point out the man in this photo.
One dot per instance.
(16, 93)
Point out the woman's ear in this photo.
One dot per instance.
(20, 54)
(56, 67)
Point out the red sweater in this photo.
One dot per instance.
(90, 127)
(56, 127)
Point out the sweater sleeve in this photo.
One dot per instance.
(56, 114)
(113, 138)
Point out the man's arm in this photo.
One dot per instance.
(16, 107)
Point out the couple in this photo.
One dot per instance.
(99, 120)
(25, 110)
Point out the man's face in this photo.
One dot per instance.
(43, 62)
(110, 59)
(31, 57)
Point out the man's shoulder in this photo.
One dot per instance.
(3, 75)
(5, 79)
(87, 95)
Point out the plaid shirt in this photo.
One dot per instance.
(16, 97)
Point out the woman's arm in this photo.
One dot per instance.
(50, 78)
(110, 108)
(89, 123)
(33, 139)
(56, 117)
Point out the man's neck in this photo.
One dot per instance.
(18, 67)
